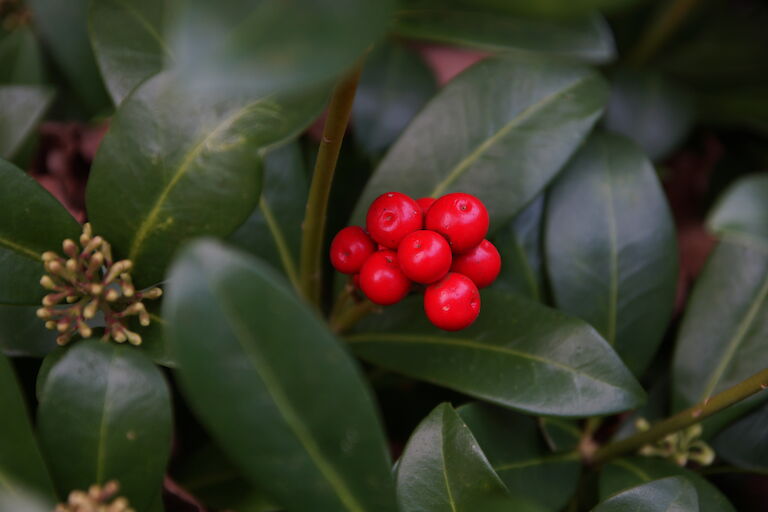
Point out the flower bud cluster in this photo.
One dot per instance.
(97, 499)
(87, 281)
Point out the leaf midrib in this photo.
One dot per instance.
(456, 172)
(735, 342)
(287, 411)
(468, 343)
(451, 500)
(101, 453)
(20, 249)
(544, 459)
(150, 220)
(144, 22)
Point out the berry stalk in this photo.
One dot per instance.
(313, 227)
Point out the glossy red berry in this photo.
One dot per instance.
(424, 256)
(452, 303)
(350, 248)
(425, 203)
(461, 218)
(381, 279)
(481, 264)
(392, 216)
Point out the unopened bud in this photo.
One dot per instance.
(112, 295)
(133, 338)
(90, 310)
(144, 318)
(63, 339)
(50, 325)
(119, 335)
(43, 313)
(84, 329)
(92, 245)
(49, 256)
(47, 283)
(52, 299)
(63, 325)
(154, 293)
(71, 299)
(70, 248)
(96, 289)
(71, 265)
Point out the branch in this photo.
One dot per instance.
(684, 419)
(661, 27)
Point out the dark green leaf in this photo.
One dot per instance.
(273, 231)
(21, 58)
(105, 413)
(539, 8)
(24, 502)
(625, 473)
(649, 109)
(443, 469)
(271, 45)
(520, 456)
(518, 354)
(673, 494)
(234, 325)
(128, 41)
(174, 166)
(745, 443)
(560, 434)
(491, 114)
(722, 337)
(154, 340)
(743, 209)
(21, 108)
(394, 86)
(33, 222)
(586, 37)
(21, 464)
(22, 333)
(738, 107)
(520, 245)
(611, 248)
(63, 26)
(214, 480)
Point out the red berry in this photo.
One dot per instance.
(460, 218)
(453, 303)
(481, 264)
(425, 203)
(424, 256)
(381, 279)
(380, 247)
(350, 248)
(392, 216)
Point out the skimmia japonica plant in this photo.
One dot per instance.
(260, 255)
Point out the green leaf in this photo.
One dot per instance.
(520, 456)
(491, 114)
(520, 245)
(24, 502)
(673, 494)
(129, 42)
(261, 47)
(560, 434)
(742, 210)
(105, 413)
(394, 86)
(539, 8)
(21, 464)
(611, 248)
(273, 231)
(21, 58)
(21, 108)
(586, 37)
(518, 354)
(722, 337)
(651, 110)
(63, 27)
(745, 442)
(154, 337)
(176, 165)
(235, 325)
(625, 473)
(209, 476)
(443, 469)
(33, 222)
(737, 107)
(22, 334)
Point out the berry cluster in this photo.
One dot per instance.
(439, 243)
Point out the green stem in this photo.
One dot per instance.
(684, 419)
(663, 25)
(339, 110)
(349, 317)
